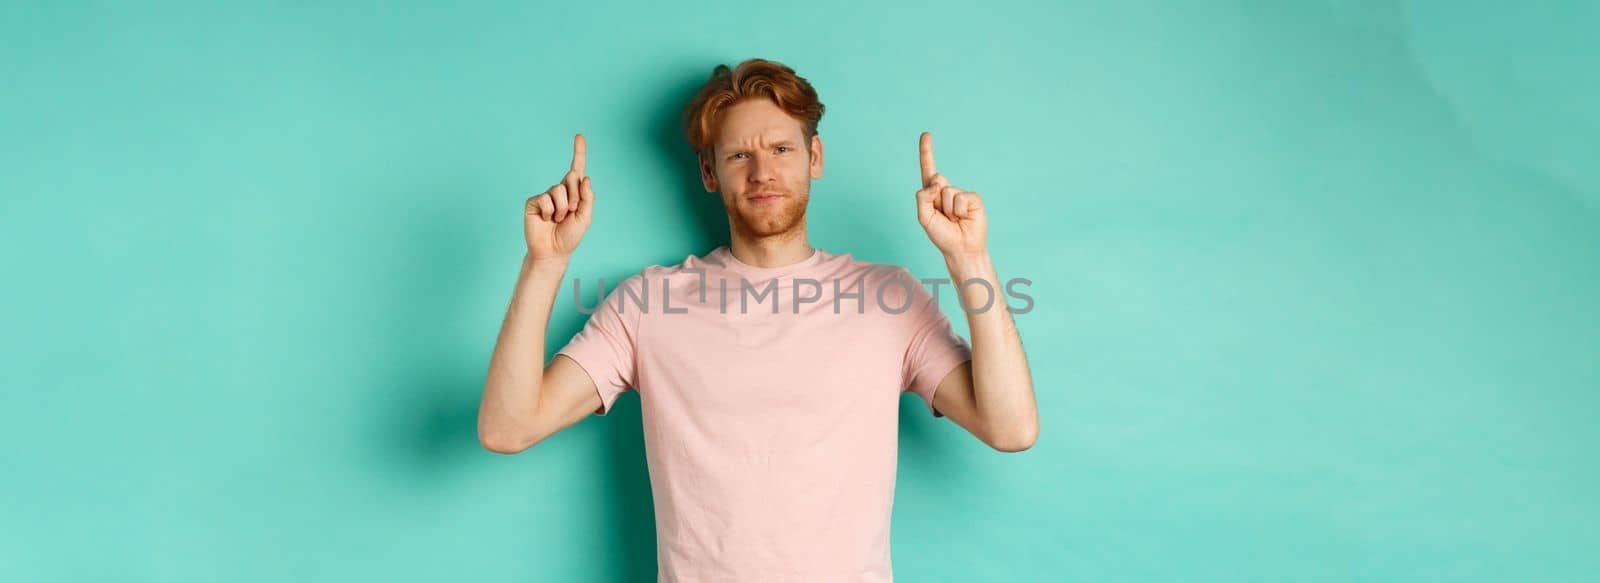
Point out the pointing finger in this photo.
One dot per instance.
(928, 170)
(580, 153)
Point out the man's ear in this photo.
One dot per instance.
(708, 174)
(816, 157)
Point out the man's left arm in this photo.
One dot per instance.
(991, 396)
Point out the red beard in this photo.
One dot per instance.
(769, 218)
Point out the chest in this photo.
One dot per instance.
(755, 366)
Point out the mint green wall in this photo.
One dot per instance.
(1317, 283)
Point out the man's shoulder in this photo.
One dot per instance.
(652, 275)
(873, 269)
(689, 264)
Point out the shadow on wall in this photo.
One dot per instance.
(436, 372)
(434, 403)
(707, 220)
(629, 507)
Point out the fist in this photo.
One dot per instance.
(953, 217)
(554, 221)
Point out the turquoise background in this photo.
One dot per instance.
(1317, 283)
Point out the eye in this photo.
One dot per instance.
(736, 155)
(783, 148)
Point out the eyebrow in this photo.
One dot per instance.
(734, 149)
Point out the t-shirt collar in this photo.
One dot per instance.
(724, 255)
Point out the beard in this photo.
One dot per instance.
(782, 216)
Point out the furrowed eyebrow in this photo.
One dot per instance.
(731, 150)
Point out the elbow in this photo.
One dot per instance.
(504, 433)
(1016, 441)
(502, 442)
(1012, 446)
(500, 445)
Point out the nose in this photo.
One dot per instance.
(762, 169)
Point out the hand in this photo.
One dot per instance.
(555, 220)
(953, 218)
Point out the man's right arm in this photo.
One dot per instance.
(526, 399)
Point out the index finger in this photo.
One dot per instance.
(928, 170)
(579, 154)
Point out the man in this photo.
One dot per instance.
(770, 417)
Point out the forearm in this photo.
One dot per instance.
(511, 391)
(1002, 384)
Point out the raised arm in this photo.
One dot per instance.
(525, 399)
(991, 396)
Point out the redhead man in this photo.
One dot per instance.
(769, 371)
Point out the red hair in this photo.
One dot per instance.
(752, 79)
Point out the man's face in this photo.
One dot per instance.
(760, 164)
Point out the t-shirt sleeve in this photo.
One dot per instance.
(607, 344)
(935, 348)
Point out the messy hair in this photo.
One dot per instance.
(752, 79)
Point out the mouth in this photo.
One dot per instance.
(762, 197)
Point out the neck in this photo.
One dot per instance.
(772, 251)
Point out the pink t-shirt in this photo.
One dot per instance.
(771, 437)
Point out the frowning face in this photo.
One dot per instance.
(761, 164)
